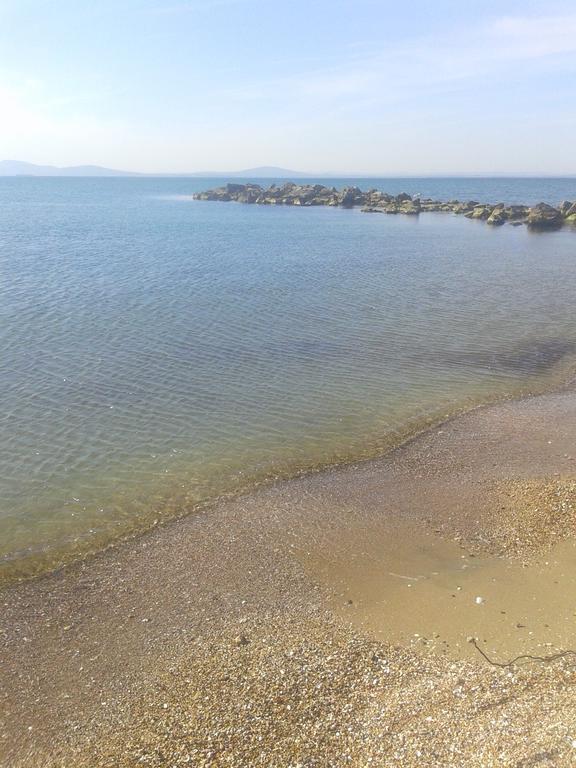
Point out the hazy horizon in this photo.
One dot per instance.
(8, 169)
(362, 89)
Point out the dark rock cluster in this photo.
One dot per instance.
(541, 216)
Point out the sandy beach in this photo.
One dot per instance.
(288, 384)
(324, 620)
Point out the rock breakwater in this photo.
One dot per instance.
(537, 217)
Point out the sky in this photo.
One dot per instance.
(341, 86)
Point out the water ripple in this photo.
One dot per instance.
(157, 352)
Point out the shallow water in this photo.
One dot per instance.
(158, 351)
(431, 594)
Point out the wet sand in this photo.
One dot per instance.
(227, 638)
(424, 593)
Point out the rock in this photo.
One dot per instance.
(375, 198)
(234, 188)
(541, 216)
(497, 217)
(517, 212)
(570, 214)
(240, 192)
(544, 216)
(461, 208)
(350, 197)
(433, 206)
(479, 212)
(410, 207)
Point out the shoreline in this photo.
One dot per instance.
(558, 376)
(96, 650)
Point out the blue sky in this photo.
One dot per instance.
(346, 86)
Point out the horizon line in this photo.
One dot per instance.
(222, 175)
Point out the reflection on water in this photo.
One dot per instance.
(158, 351)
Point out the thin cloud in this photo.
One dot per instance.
(191, 6)
(424, 64)
(535, 37)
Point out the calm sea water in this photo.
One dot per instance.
(159, 351)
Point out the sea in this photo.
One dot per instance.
(159, 352)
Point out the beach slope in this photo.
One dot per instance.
(285, 627)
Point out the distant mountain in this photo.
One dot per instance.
(262, 172)
(20, 168)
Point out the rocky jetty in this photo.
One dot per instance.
(538, 217)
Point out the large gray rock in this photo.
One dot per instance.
(544, 216)
(502, 213)
(517, 212)
(497, 217)
(480, 212)
(245, 193)
(571, 215)
(410, 207)
(461, 208)
(351, 196)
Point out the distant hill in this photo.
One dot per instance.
(20, 168)
(262, 172)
